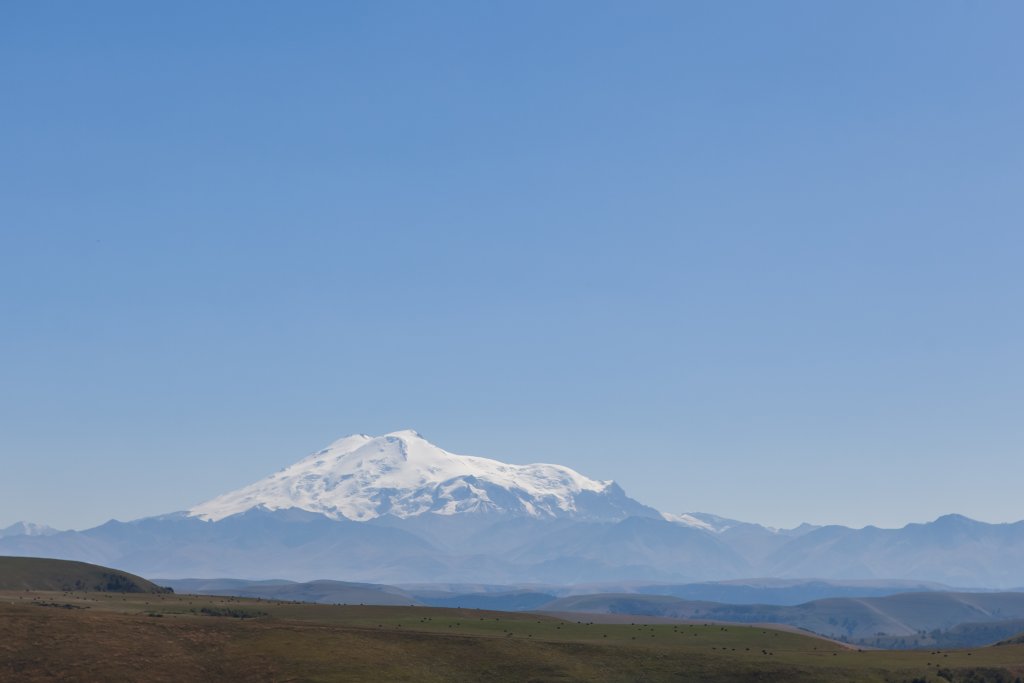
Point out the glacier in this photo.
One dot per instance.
(401, 474)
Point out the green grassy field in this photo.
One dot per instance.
(73, 636)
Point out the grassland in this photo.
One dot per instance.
(39, 573)
(919, 620)
(81, 636)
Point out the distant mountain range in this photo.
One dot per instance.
(396, 508)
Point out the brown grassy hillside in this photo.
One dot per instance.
(160, 637)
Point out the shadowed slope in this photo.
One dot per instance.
(36, 573)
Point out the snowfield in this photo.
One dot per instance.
(402, 474)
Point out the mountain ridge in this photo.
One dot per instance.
(396, 508)
(23, 528)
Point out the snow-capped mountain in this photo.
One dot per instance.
(403, 475)
(721, 525)
(396, 508)
(27, 529)
(701, 520)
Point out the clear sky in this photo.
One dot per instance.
(759, 259)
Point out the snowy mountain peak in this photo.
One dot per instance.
(27, 529)
(401, 474)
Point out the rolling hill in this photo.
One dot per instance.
(184, 638)
(40, 574)
(324, 591)
(907, 620)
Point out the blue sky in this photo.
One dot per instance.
(757, 259)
